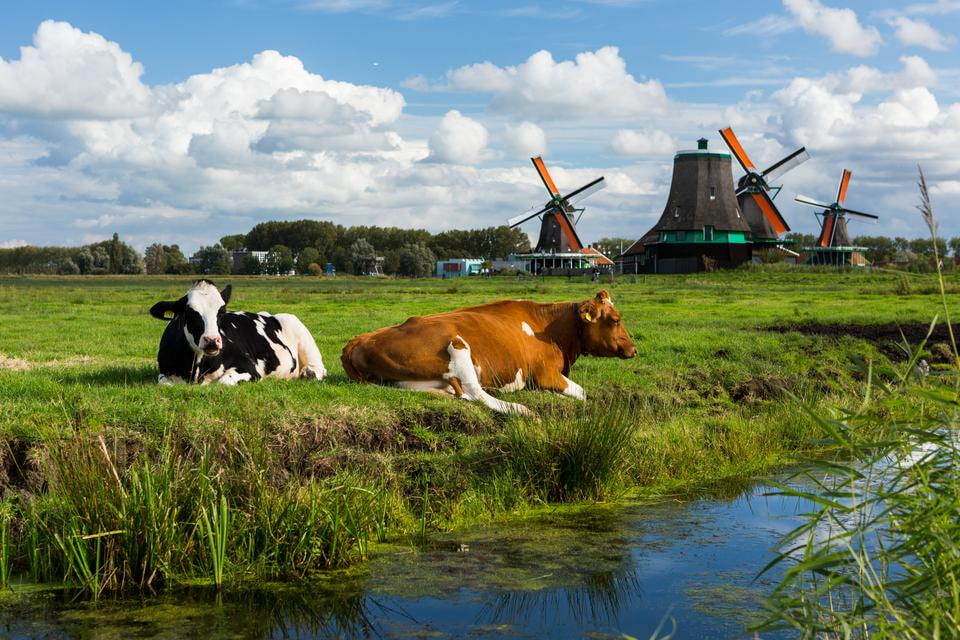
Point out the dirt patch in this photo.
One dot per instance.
(887, 337)
(766, 387)
(13, 364)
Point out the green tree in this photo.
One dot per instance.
(252, 266)
(279, 260)
(177, 263)
(85, 260)
(68, 268)
(101, 260)
(340, 258)
(801, 240)
(296, 235)
(306, 257)
(213, 260)
(879, 249)
(235, 242)
(416, 260)
(363, 256)
(116, 254)
(155, 259)
(955, 246)
(391, 261)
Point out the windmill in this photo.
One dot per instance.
(753, 189)
(558, 228)
(833, 224)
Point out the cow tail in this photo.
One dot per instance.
(347, 359)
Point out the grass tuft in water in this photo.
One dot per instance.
(572, 455)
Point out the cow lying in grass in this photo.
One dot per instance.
(502, 345)
(203, 342)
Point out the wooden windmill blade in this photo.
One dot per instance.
(737, 149)
(569, 230)
(523, 217)
(844, 183)
(811, 202)
(829, 225)
(545, 176)
(770, 211)
(588, 189)
(865, 217)
(777, 169)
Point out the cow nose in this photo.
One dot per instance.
(216, 340)
(630, 352)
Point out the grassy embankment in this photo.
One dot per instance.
(111, 481)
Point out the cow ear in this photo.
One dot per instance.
(588, 311)
(225, 294)
(602, 296)
(160, 310)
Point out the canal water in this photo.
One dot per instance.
(687, 566)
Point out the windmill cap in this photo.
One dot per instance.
(701, 151)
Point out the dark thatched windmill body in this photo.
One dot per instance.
(833, 243)
(558, 245)
(701, 226)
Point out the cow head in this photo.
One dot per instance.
(200, 312)
(601, 332)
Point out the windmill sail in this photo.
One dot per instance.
(753, 190)
(558, 230)
(833, 230)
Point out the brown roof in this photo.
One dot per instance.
(601, 259)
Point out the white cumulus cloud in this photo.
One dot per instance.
(919, 33)
(458, 140)
(630, 142)
(71, 74)
(594, 83)
(840, 27)
(525, 139)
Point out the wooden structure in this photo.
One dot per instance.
(707, 222)
(559, 248)
(833, 244)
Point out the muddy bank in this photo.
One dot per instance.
(887, 337)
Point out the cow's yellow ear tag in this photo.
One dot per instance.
(586, 314)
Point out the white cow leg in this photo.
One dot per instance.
(311, 362)
(463, 369)
(440, 387)
(162, 379)
(574, 390)
(232, 377)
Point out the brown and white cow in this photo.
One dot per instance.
(503, 345)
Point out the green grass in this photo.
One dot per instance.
(114, 482)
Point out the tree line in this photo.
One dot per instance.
(301, 246)
(307, 246)
(99, 258)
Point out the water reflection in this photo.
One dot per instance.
(599, 599)
(591, 572)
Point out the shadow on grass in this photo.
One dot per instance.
(120, 375)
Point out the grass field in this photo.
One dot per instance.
(726, 362)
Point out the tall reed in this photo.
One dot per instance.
(878, 554)
(107, 522)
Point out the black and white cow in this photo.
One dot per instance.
(203, 342)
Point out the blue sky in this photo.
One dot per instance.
(168, 122)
